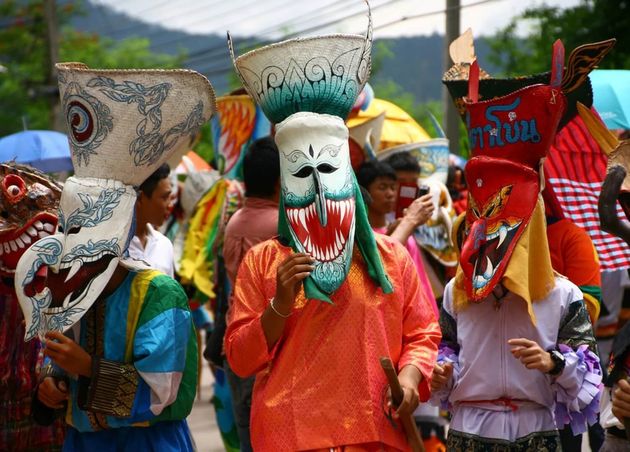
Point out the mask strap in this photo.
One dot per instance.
(473, 83)
(557, 64)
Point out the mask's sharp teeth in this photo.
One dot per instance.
(302, 218)
(49, 227)
(327, 253)
(39, 225)
(66, 301)
(19, 242)
(479, 282)
(343, 211)
(13, 246)
(502, 235)
(76, 266)
(337, 241)
(489, 269)
(26, 238)
(32, 231)
(43, 234)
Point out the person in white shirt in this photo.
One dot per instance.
(152, 209)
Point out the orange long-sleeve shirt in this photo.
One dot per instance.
(322, 384)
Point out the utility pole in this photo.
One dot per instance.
(451, 116)
(52, 36)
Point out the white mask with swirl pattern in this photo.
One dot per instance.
(318, 192)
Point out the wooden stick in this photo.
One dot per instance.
(413, 436)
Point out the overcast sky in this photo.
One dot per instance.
(274, 18)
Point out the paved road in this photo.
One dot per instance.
(202, 421)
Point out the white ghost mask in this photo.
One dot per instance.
(318, 192)
(94, 228)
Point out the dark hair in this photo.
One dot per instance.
(148, 186)
(403, 161)
(369, 171)
(261, 168)
(452, 174)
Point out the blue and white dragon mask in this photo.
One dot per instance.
(122, 124)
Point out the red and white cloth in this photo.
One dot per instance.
(575, 168)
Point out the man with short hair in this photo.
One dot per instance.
(152, 209)
(255, 222)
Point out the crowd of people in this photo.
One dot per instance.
(471, 279)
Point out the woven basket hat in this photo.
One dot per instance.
(123, 124)
(321, 74)
(432, 156)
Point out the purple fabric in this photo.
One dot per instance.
(577, 405)
(446, 355)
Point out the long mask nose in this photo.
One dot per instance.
(320, 199)
(476, 238)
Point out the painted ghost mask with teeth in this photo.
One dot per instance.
(122, 124)
(318, 192)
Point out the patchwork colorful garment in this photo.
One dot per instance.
(143, 334)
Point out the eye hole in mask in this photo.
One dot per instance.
(73, 230)
(304, 172)
(326, 168)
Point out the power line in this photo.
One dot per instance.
(228, 24)
(214, 15)
(418, 16)
(210, 52)
(223, 70)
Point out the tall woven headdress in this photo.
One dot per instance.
(122, 125)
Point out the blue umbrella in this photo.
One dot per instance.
(45, 150)
(611, 97)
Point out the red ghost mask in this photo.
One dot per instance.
(502, 197)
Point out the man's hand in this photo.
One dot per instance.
(52, 392)
(420, 210)
(291, 272)
(621, 400)
(441, 376)
(67, 354)
(531, 355)
(409, 379)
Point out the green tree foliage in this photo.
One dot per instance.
(24, 90)
(421, 112)
(589, 21)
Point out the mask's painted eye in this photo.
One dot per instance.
(74, 230)
(304, 172)
(13, 190)
(326, 168)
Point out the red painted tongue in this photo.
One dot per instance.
(39, 282)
